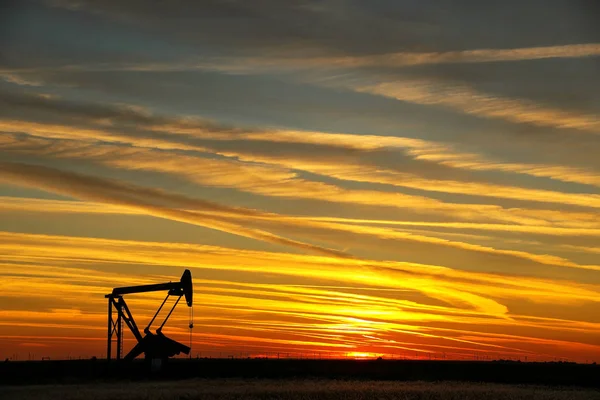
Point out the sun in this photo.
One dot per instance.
(357, 355)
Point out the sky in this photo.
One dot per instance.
(352, 178)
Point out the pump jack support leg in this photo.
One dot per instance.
(119, 327)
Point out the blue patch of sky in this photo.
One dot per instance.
(55, 36)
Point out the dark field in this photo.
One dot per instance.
(298, 379)
(227, 389)
(83, 371)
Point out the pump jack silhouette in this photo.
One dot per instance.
(155, 346)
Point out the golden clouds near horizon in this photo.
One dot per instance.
(279, 301)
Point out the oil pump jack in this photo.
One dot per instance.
(152, 345)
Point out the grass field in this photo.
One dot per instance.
(228, 389)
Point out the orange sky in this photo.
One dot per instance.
(392, 179)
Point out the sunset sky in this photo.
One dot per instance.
(410, 178)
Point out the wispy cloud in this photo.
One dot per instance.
(15, 78)
(374, 174)
(274, 64)
(385, 60)
(276, 177)
(95, 122)
(403, 59)
(316, 313)
(173, 254)
(461, 98)
(26, 204)
(430, 92)
(97, 189)
(228, 219)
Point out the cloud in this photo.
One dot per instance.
(466, 56)
(461, 98)
(16, 79)
(208, 214)
(434, 280)
(395, 235)
(26, 204)
(273, 64)
(546, 230)
(276, 181)
(104, 190)
(241, 304)
(258, 179)
(129, 125)
(478, 163)
(276, 177)
(374, 174)
(54, 131)
(9, 203)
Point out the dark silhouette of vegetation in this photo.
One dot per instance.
(501, 371)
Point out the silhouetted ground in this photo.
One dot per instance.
(229, 389)
(81, 371)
